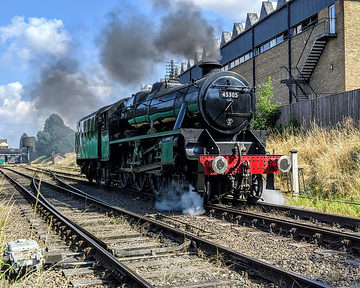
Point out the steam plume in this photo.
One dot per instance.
(63, 88)
(183, 31)
(127, 51)
(132, 44)
(176, 197)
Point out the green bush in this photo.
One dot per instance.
(267, 111)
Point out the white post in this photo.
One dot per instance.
(294, 173)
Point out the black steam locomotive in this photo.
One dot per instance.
(196, 133)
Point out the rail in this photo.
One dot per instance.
(122, 272)
(352, 223)
(344, 221)
(322, 235)
(238, 260)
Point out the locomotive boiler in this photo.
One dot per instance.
(195, 133)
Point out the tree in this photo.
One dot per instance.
(56, 138)
(267, 111)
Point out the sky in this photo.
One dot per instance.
(71, 57)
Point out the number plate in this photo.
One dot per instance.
(229, 94)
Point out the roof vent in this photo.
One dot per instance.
(251, 19)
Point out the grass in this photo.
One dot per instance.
(326, 206)
(68, 163)
(41, 159)
(331, 161)
(5, 211)
(37, 279)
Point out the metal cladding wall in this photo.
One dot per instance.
(194, 72)
(271, 26)
(302, 9)
(237, 47)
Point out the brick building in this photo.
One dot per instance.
(309, 48)
(57, 159)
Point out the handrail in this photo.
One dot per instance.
(307, 83)
(293, 80)
(307, 40)
(322, 22)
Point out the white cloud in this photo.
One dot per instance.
(33, 38)
(17, 114)
(13, 109)
(235, 9)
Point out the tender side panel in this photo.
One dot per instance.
(105, 155)
(87, 139)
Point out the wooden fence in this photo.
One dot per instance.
(325, 111)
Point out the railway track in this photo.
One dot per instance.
(75, 236)
(64, 263)
(351, 223)
(64, 175)
(175, 239)
(300, 231)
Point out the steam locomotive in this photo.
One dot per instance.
(196, 133)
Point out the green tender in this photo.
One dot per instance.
(149, 136)
(88, 145)
(105, 145)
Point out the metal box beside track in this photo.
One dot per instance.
(23, 254)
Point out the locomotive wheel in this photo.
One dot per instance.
(123, 176)
(156, 182)
(256, 189)
(139, 180)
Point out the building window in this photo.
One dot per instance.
(309, 22)
(280, 39)
(266, 46)
(272, 42)
(299, 29)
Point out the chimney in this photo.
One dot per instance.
(209, 66)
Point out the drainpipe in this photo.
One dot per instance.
(289, 51)
(253, 66)
(253, 54)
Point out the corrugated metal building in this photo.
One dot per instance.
(309, 48)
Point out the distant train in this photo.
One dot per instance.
(195, 133)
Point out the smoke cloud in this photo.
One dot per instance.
(127, 51)
(183, 31)
(62, 84)
(131, 44)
